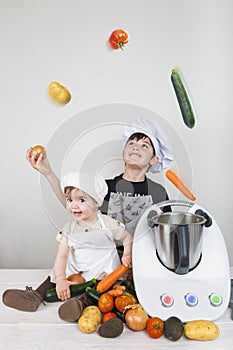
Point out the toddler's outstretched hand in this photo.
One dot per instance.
(41, 163)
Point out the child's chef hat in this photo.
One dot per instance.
(149, 127)
(95, 185)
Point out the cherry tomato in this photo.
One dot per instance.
(155, 327)
(38, 149)
(106, 302)
(107, 316)
(122, 301)
(118, 39)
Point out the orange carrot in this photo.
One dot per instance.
(174, 178)
(111, 278)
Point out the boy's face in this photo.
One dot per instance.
(81, 206)
(139, 153)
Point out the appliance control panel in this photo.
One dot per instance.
(191, 300)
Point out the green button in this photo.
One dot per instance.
(215, 299)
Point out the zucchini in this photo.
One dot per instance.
(130, 288)
(75, 289)
(119, 314)
(182, 98)
(93, 294)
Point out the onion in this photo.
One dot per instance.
(136, 318)
(76, 278)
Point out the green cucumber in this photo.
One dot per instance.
(75, 289)
(182, 98)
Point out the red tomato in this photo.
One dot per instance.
(118, 39)
(38, 150)
(155, 327)
(108, 316)
(122, 301)
(106, 302)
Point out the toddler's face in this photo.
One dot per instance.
(81, 206)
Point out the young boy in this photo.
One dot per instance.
(131, 193)
(86, 245)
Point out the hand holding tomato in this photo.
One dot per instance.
(155, 327)
(37, 151)
(118, 39)
(40, 163)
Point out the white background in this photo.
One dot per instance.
(66, 41)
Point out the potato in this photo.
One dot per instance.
(90, 319)
(92, 311)
(59, 93)
(201, 330)
(88, 324)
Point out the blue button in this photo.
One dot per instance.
(191, 299)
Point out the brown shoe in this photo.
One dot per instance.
(71, 310)
(24, 300)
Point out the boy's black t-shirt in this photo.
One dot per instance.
(133, 189)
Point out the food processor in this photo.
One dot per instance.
(180, 263)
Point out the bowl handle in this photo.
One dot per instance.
(150, 218)
(172, 202)
(182, 234)
(206, 216)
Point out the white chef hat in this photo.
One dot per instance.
(150, 128)
(95, 185)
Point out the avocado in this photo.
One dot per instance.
(111, 328)
(174, 328)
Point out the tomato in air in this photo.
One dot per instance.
(118, 39)
(155, 327)
(106, 302)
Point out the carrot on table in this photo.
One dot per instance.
(174, 178)
(111, 278)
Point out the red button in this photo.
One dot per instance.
(167, 300)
